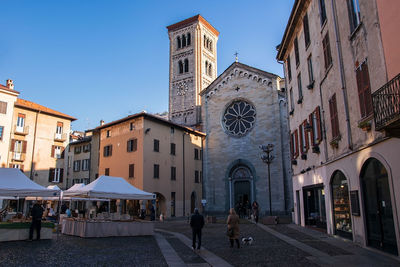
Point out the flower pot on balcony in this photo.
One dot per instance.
(365, 126)
(334, 143)
(315, 149)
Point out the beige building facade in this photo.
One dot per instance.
(157, 156)
(8, 96)
(346, 175)
(78, 162)
(33, 138)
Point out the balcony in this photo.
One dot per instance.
(386, 103)
(21, 130)
(60, 137)
(17, 156)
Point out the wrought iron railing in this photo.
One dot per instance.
(386, 102)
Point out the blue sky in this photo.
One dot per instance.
(107, 59)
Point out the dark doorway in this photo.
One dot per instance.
(242, 197)
(378, 207)
(314, 206)
(341, 205)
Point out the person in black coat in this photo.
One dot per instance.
(197, 223)
(37, 213)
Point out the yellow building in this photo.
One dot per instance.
(37, 141)
(157, 156)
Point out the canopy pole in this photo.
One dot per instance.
(58, 214)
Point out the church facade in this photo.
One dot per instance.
(239, 111)
(243, 109)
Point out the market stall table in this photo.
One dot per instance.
(92, 228)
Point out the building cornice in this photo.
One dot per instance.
(189, 21)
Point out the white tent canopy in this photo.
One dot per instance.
(14, 183)
(110, 187)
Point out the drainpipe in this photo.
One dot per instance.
(342, 76)
(34, 142)
(183, 173)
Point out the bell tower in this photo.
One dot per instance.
(192, 67)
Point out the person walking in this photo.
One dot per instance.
(233, 227)
(197, 223)
(37, 213)
(256, 211)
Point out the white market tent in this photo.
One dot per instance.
(14, 183)
(110, 187)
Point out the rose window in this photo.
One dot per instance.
(239, 118)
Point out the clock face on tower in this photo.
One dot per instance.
(239, 118)
(181, 88)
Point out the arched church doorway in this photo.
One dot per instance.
(192, 202)
(341, 205)
(378, 206)
(241, 193)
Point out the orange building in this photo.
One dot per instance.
(157, 156)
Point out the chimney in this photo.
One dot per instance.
(101, 123)
(10, 84)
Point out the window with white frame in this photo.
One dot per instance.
(56, 175)
(1, 132)
(85, 164)
(77, 165)
(57, 152)
(354, 14)
(59, 130)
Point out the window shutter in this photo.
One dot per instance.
(291, 146)
(360, 84)
(110, 150)
(24, 146)
(51, 174)
(367, 90)
(306, 136)
(12, 145)
(21, 167)
(128, 146)
(104, 151)
(311, 122)
(61, 175)
(318, 114)
(52, 150)
(296, 139)
(301, 138)
(134, 144)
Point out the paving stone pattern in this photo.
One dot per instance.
(266, 250)
(75, 251)
(184, 252)
(309, 240)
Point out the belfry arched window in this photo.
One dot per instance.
(186, 65)
(178, 40)
(188, 39)
(183, 40)
(180, 64)
(209, 70)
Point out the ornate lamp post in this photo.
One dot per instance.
(267, 157)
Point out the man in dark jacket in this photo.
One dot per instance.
(197, 223)
(37, 213)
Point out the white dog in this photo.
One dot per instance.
(247, 240)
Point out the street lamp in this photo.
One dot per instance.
(267, 157)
